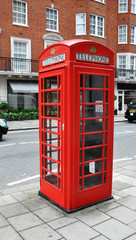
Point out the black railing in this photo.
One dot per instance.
(18, 65)
(125, 74)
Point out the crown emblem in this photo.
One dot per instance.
(93, 49)
(52, 51)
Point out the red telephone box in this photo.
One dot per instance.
(76, 106)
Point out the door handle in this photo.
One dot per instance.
(63, 127)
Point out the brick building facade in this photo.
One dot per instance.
(27, 27)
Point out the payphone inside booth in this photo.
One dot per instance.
(76, 107)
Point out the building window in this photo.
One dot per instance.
(133, 67)
(133, 6)
(122, 34)
(21, 54)
(122, 66)
(80, 23)
(123, 6)
(19, 13)
(51, 19)
(133, 35)
(97, 25)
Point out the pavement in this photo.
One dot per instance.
(25, 215)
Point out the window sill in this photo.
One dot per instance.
(123, 43)
(97, 36)
(81, 34)
(50, 30)
(20, 25)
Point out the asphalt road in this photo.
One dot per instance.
(19, 153)
(19, 158)
(124, 141)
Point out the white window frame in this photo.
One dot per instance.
(48, 29)
(83, 33)
(121, 2)
(133, 6)
(134, 35)
(133, 67)
(96, 25)
(122, 74)
(21, 24)
(22, 40)
(121, 34)
(51, 38)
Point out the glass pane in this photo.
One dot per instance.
(93, 125)
(51, 111)
(92, 167)
(51, 165)
(92, 81)
(93, 153)
(106, 82)
(93, 111)
(93, 139)
(81, 81)
(81, 156)
(52, 139)
(50, 97)
(51, 152)
(93, 96)
(50, 83)
(81, 126)
(51, 125)
(92, 181)
(51, 179)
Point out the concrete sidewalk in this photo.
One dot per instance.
(25, 215)
(34, 124)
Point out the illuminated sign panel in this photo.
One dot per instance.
(55, 59)
(92, 58)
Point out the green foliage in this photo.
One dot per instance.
(21, 115)
(3, 105)
(115, 97)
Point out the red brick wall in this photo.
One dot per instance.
(67, 27)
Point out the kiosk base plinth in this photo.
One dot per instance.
(75, 209)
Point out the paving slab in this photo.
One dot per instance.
(77, 230)
(8, 199)
(101, 238)
(24, 221)
(8, 233)
(129, 173)
(129, 201)
(61, 222)
(36, 203)
(109, 206)
(120, 185)
(133, 224)
(114, 230)
(42, 232)
(49, 213)
(93, 217)
(133, 237)
(20, 196)
(123, 214)
(3, 221)
(130, 191)
(13, 210)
